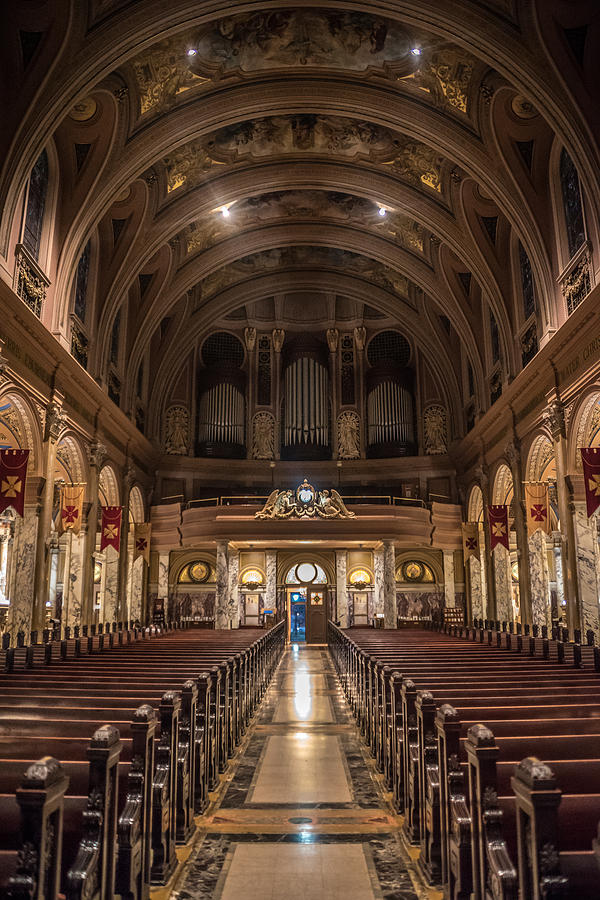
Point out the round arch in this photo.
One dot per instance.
(108, 486)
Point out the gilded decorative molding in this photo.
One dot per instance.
(162, 73)
(304, 502)
(30, 283)
(446, 76)
(576, 281)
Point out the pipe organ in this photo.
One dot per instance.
(221, 419)
(390, 412)
(305, 411)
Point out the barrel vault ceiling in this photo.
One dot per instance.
(304, 124)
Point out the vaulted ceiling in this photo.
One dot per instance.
(304, 124)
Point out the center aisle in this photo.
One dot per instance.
(302, 813)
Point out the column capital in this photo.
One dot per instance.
(360, 337)
(512, 452)
(278, 335)
(482, 475)
(554, 419)
(96, 454)
(333, 336)
(54, 421)
(250, 338)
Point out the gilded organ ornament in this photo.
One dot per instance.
(304, 502)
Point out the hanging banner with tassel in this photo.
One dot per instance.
(536, 504)
(13, 475)
(142, 541)
(498, 516)
(71, 508)
(470, 535)
(590, 457)
(111, 527)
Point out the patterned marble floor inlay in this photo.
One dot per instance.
(302, 812)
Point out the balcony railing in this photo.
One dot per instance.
(30, 283)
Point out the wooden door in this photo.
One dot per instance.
(316, 619)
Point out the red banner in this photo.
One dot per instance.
(111, 527)
(590, 457)
(498, 516)
(13, 473)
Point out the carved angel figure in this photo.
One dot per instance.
(331, 505)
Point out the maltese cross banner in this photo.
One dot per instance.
(71, 507)
(536, 504)
(470, 534)
(13, 472)
(111, 527)
(590, 456)
(498, 516)
(142, 541)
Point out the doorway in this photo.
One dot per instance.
(297, 614)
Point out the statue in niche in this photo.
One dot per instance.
(348, 436)
(177, 431)
(263, 436)
(435, 430)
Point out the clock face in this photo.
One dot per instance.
(305, 495)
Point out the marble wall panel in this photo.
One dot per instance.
(234, 613)
(73, 580)
(418, 603)
(137, 587)
(271, 585)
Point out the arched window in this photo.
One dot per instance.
(572, 203)
(81, 283)
(494, 339)
(37, 191)
(527, 287)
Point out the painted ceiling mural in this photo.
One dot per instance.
(401, 150)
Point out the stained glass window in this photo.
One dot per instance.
(114, 340)
(527, 287)
(36, 204)
(572, 203)
(81, 282)
(494, 338)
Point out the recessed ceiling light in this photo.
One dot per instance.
(381, 211)
(225, 212)
(192, 51)
(416, 51)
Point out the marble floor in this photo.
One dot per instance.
(302, 813)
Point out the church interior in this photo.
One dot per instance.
(300, 450)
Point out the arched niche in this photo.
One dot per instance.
(136, 505)
(475, 505)
(585, 430)
(502, 492)
(20, 427)
(108, 487)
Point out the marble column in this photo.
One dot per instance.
(271, 584)
(488, 577)
(539, 580)
(378, 586)
(234, 595)
(390, 614)
(513, 454)
(502, 582)
(586, 539)
(111, 585)
(22, 572)
(449, 589)
(341, 577)
(40, 580)
(73, 580)
(124, 553)
(221, 601)
(53, 577)
(477, 606)
(555, 421)
(96, 454)
(558, 568)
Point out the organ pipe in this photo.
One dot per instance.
(221, 415)
(390, 413)
(306, 413)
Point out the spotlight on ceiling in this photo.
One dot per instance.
(192, 51)
(416, 51)
(381, 211)
(225, 212)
